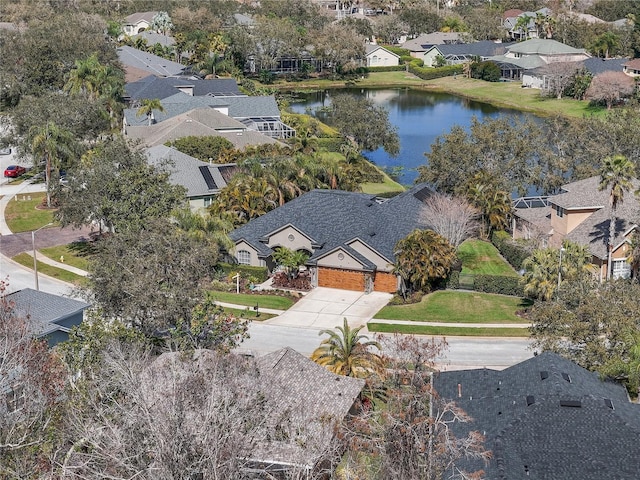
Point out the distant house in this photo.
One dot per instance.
(542, 77)
(138, 64)
(349, 236)
(201, 180)
(137, 22)
(456, 53)
(546, 418)
(50, 316)
(377, 56)
(417, 46)
(153, 38)
(581, 214)
(160, 87)
(632, 67)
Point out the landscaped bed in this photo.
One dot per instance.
(22, 215)
(448, 306)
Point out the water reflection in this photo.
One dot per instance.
(419, 116)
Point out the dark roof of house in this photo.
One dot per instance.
(163, 87)
(547, 418)
(427, 40)
(600, 65)
(154, 37)
(199, 178)
(485, 48)
(152, 64)
(44, 311)
(333, 218)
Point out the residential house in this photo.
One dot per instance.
(257, 113)
(50, 316)
(523, 57)
(349, 236)
(542, 77)
(155, 38)
(199, 122)
(201, 180)
(138, 64)
(581, 214)
(377, 56)
(511, 21)
(456, 53)
(417, 46)
(137, 22)
(632, 67)
(546, 418)
(152, 86)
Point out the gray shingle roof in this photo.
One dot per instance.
(333, 218)
(186, 171)
(154, 37)
(543, 46)
(45, 311)
(485, 48)
(163, 87)
(548, 419)
(154, 65)
(423, 42)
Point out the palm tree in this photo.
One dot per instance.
(345, 352)
(616, 175)
(82, 78)
(493, 203)
(53, 145)
(147, 106)
(541, 274)
(605, 43)
(206, 228)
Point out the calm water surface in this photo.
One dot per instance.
(419, 116)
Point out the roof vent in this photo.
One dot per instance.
(571, 403)
(566, 377)
(530, 400)
(544, 375)
(608, 403)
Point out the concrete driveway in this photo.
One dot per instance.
(326, 307)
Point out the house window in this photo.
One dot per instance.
(621, 268)
(207, 201)
(559, 211)
(244, 257)
(374, 59)
(15, 399)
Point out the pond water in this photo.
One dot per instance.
(419, 117)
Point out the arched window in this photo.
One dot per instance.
(244, 257)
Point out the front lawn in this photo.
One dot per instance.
(482, 258)
(276, 302)
(22, 215)
(75, 254)
(448, 306)
(446, 331)
(51, 271)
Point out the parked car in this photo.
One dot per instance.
(5, 151)
(13, 171)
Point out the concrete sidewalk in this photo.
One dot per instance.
(271, 311)
(63, 266)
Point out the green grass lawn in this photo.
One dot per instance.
(387, 186)
(23, 216)
(447, 331)
(60, 274)
(73, 255)
(264, 301)
(450, 306)
(249, 314)
(482, 258)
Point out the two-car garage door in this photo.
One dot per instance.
(355, 280)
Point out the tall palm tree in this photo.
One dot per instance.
(205, 227)
(616, 175)
(147, 106)
(53, 145)
(346, 352)
(82, 78)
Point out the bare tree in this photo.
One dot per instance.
(31, 383)
(610, 87)
(558, 76)
(451, 217)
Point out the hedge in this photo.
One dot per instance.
(431, 73)
(454, 280)
(259, 273)
(498, 284)
(401, 52)
(388, 68)
(512, 251)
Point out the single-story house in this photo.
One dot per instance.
(632, 67)
(581, 214)
(49, 316)
(138, 64)
(350, 237)
(200, 122)
(417, 46)
(137, 22)
(456, 53)
(542, 77)
(377, 56)
(201, 180)
(546, 418)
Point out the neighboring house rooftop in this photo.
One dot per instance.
(372, 47)
(547, 418)
(138, 17)
(197, 177)
(544, 47)
(162, 87)
(139, 61)
(600, 65)
(485, 48)
(154, 37)
(632, 64)
(334, 218)
(512, 13)
(46, 312)
(423, 42)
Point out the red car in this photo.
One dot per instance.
(13, 171)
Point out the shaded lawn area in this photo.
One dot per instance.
(249, 314)
(482, 258)
(447, 331)
(23, 216)
(250, 300)
(64, 275)
(459, 307)
(76, 254)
